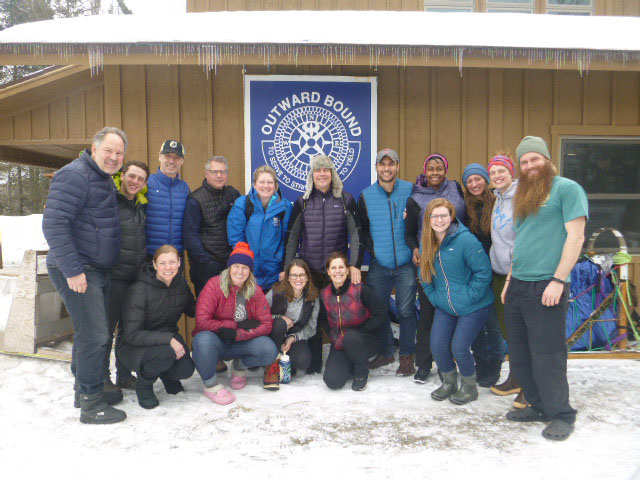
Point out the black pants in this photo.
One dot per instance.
(424, 359)
(538, 347)
(201, 273)
(161, 359)
(353, 360)
(320, 280)
(299, 353)
(116, 303)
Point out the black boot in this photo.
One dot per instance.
(111, 394)
(481, 367)
(491, 373)
(144, 390)
(94, 410)
(173, 387)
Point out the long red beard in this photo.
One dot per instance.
(532, 192)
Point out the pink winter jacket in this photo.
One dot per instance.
(215, 311)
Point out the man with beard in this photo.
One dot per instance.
(550, 214)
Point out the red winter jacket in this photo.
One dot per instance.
(215, 311)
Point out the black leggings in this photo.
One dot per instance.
(161, 359)
(424, 359)
(354, 359)
(299, 353)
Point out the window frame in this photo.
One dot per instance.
(557, 144)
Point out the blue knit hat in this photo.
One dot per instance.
(474, 169)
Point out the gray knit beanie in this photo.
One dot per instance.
(532, 144)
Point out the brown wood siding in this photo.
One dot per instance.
(601, 7)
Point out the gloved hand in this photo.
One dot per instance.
(227, 333)
(248, 324)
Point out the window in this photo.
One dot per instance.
(449, 5)
(570, 7)
(609, 171)
(510, 6)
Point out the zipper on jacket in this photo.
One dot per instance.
(339, 317)
(446, 281)
(393, 237)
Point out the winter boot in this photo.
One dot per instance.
(94, 410)
(449, 386)
(111, 396)
(144, 390)
(491, 373)
(126, 381)
(173, 387)
(221, 366)
(468, 390)
(509, 387)
(406, 367)
(481, 366)
(381, 361)
(520, 402)
(271, 379)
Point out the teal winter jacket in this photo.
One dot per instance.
(462, 282)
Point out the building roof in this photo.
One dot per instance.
(336, 34)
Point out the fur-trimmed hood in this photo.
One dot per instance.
(323, 161)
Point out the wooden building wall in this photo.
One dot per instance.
(602, 7)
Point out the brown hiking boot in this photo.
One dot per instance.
(509, 387)
(520, 402)
(406, 367)
(381, 361)
(272, 376)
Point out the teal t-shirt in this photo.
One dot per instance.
(540, 238)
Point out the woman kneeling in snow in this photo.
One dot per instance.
(152, 346)
(233, 321)
(354, 314)
(294, 306)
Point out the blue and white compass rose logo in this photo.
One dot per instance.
(303, 133)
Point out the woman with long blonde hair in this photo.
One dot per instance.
(232, 323)
(456, 277)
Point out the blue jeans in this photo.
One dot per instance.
(382, 280)
(452, 336)
(489, 344)
(208, 348)
(90, 325)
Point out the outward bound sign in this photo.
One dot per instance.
(291, 119)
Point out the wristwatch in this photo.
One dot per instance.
(556, 279)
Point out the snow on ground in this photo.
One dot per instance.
(391, 430)
(19, 234)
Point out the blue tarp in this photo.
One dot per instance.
(583, 275)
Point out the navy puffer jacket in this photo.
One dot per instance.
(81, 221)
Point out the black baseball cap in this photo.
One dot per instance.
(172, 146)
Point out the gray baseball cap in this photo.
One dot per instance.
(387, 152)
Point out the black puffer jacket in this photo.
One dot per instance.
(133, 246)
(151, 314)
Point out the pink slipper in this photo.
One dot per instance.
(238, 382)
(220, 396)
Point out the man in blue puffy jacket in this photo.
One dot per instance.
(81, 225)
(381, 210)
(167, 195)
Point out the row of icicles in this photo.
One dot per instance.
(211, 55)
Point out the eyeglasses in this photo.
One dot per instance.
(217, 172)
(442, 216)
(297, 276)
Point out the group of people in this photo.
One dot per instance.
(271, 277)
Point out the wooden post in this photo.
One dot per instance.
(623, 321)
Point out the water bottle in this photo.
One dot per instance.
(285, 368)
